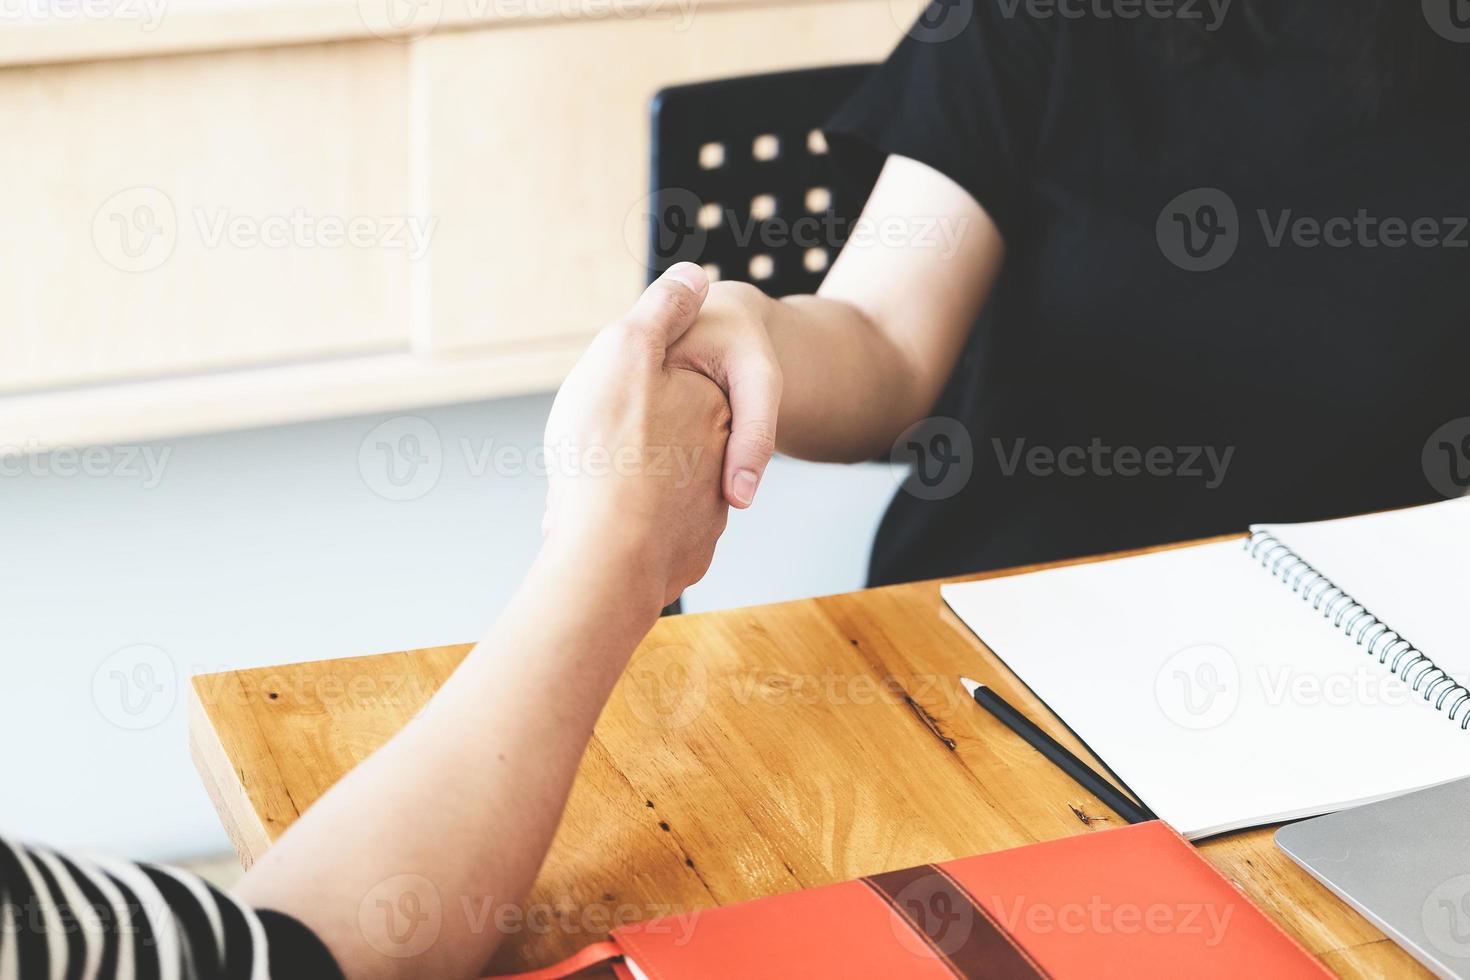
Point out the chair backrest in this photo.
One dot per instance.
(741, 178)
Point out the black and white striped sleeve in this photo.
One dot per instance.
(66, 918)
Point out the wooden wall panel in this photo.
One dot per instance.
(198, 213)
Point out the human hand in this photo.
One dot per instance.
(728, 344)
(635, 445)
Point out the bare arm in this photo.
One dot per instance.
(451, 819)
(849, 369)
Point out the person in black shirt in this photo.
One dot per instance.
(1130, 273)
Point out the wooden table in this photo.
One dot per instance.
(744, 753)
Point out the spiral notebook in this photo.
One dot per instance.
(1307, 668)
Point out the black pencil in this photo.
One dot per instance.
(1068, 763)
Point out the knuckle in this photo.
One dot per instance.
(768, 374)
(760, 373)
(618, 331)
(721, 416)
(671, 301)
(758, 436)
(630, 333)
(735, 291)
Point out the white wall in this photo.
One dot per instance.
(280, 545)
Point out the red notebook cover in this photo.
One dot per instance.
(1137, 901)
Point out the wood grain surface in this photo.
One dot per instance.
(744, 753)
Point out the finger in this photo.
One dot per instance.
(755, 401)
(670, 305)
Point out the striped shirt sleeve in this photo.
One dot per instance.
(66, 918)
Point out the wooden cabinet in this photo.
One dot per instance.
(236, 215)
(181, 214)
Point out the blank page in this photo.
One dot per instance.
(1210, 688)
(1411, 568)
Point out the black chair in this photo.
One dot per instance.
(741, 180)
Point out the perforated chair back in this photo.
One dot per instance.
(742, 183)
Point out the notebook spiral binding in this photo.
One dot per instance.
(1364, 628)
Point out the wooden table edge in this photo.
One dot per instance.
(230, 797)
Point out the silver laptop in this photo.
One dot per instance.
(1405, 864)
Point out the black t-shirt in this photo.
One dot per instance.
(1133, 380)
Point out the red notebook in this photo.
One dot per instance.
(1133, 902)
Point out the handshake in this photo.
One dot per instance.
(641, 459)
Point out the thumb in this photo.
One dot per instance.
(670, 305)
(755, 401)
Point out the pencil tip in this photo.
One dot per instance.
(970, 686)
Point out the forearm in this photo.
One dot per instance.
(869, 355)
(456, 812)
(849, 388)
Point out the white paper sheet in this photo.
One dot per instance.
(1216, 693)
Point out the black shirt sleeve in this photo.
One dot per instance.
(965, 92)
(295, 951)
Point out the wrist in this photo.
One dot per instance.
(749, 300)
(613, 563)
